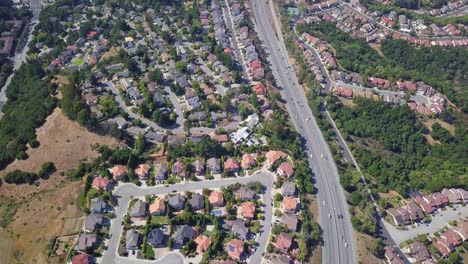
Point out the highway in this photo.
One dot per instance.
(338, 235)
(126, 191)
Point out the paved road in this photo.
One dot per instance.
(20, 57)
(177, 128)
(235, 45)
(329, 82)
(338, 234)
(125, 191)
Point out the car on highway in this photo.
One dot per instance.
(346, 244)
(329, 216)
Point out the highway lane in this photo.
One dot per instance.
(338, 234)
(126, 191)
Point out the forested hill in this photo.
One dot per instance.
(402, 158)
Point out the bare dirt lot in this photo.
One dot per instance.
(363, 245)
(49, 209)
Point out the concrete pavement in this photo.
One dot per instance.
(126, 191)
(338, 234)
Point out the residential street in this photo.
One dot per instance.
(177, 128)
(126, 191)
(20, 57)
(338, 234)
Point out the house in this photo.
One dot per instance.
(132, 239)
(290, 222)
(392, 256)
(454, 196)
(160, 172)
(101, 184)
(158, 207)
(462, 230)
(213, 164)
(245, 193)
(426, 203)
(138, 210)
(279, 259)
(98, 205)
(288, 189)
(396, 216)
(142, 171)
(248, 210)
(235, 249)
(178, 169)
(418, 251)
(259, 88)
(86, 241)
(92, 221)
(155, 137)
(216, 199)
(231, 165)
(203, 243)
(273, 155)
(289, 204)
(177, 202)
(184, 233)
(284, 241)
(155, 237)
(120, 122)
(118, 171)
(197, 202)
(198, 167)
(82, 259)
(286, 169)
(247, 161)
(238, 229)
(447, 242)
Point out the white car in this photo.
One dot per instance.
(346, 244)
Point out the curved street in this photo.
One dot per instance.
(125, 192)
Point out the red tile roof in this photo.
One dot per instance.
(101, 183)
(248, 210)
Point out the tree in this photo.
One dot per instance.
(377, 247)
(140, 144)
(181, 66)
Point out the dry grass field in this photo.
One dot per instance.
(48, 209)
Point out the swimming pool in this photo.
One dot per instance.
(217, 212)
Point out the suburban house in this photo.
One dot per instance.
(288, 189)
(160, 172)
(239, 229)
(101, 184)
(197, 202)
(248, 210)
(418, 252)
(98, 205)
(245, 193)
(392, 256)
(178, 169)
(273, 155)
(231, 165)
(284, 241)
(138, 210)
(289, 204)
(286, 169)
(447, 242)
(86, 241)
(198, 167)
(118, 171)
(177, 202)
(184, 233)
(82, 259)
(235, 249)
(132, 239)
(213, 165)
(216, 199)
(248, 161)
(156, 237)
(290, 221)
(203, 243)
(158, 207)
(92, 221)
(462, 230)
(142, 171)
